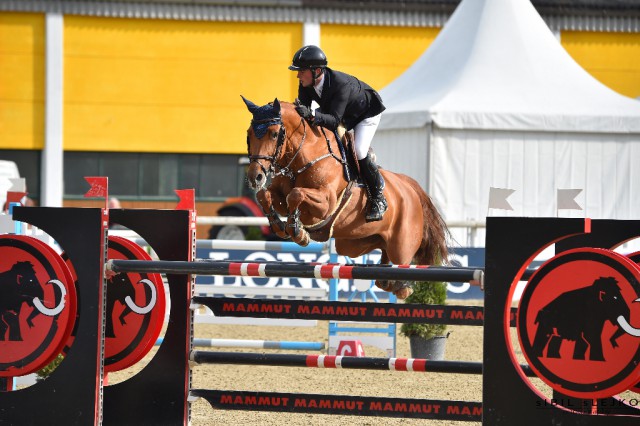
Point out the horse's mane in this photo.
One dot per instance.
(291, 116)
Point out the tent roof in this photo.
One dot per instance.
(497, 66)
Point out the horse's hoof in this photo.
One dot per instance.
(304, 240)
(403, 293)
(383, 285)
(283, 235)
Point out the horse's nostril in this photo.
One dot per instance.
(259, 178)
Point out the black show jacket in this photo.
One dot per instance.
(344, 99)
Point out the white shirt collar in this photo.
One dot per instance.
(319, 86)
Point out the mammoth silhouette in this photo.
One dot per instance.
(121, 289)
(579, 315)
(19, 286)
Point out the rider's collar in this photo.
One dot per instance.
(319, 85)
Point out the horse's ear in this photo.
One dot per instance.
(276, 106)
(250, 105)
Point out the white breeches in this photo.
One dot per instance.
(364, 132)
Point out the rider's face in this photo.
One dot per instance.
(305, 77)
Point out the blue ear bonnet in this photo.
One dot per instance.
(263, 117)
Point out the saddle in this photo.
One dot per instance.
(346, 142)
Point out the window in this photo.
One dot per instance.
(219, 176)
(154, 176)
(77, 165)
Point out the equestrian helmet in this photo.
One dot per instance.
(308, 57)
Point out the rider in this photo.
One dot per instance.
(343, 100)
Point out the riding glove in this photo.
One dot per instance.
(305, 112)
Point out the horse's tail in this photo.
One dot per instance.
(435, 233)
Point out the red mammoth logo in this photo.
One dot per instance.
(602, 301)
(575, 323)
(120, 289)
(37, 305)
(20, 288)
(135, 309)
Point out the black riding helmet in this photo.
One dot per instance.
(311, 58)
(308, 57)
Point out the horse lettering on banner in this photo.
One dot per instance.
(306, 177)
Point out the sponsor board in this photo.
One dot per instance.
(459, 257)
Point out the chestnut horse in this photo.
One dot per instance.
(305, 174)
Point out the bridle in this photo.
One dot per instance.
(282, 134)
(276, 169)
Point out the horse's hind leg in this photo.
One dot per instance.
(401, 249)
(383, 284)
(402, 289)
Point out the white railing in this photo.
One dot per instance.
(262, 221)
(466, 231)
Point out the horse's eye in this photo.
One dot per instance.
(274, 135)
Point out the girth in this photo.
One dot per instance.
(323, 230)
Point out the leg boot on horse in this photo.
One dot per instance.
(374, 184)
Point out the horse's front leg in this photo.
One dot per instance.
(402, 289)
(295, 229)
(316, 205)
(278, 227)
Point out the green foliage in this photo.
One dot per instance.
(426, 293)
(254, 234)
(44, 373)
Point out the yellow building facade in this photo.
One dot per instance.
(173, 86)
(22, 76)
(150, 85)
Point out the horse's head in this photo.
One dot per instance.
(265, 140)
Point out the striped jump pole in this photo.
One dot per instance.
(284, 246)
(255, 344)
(301, 270)
(346, 362)
(231, 245)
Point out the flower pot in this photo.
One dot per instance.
(432, 349)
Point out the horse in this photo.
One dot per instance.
(299, 172)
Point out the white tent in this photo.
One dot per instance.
(496, 101)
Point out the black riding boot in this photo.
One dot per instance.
(374, 184)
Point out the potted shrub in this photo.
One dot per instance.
(427, 340)
(46, 371)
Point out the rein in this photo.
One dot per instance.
(274, 168)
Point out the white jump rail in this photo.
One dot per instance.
(263, 221)
(465, 230)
